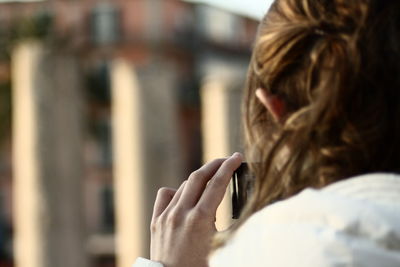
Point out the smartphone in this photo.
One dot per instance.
(241, 187)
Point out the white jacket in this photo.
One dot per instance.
(355, 222)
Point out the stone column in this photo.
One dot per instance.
(221, 125)
(146, 151)
(47, 158)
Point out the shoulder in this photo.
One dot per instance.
(355, 222)
(142, 262)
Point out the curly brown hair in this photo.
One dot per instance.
(336, 65)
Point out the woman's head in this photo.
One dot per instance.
(334, 65)
(322, 101)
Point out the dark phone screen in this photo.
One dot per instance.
(241, 187)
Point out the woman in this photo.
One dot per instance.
(322, 111)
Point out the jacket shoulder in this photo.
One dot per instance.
(319, 228)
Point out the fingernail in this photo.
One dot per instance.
(236, 154)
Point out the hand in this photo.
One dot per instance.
(183, 222)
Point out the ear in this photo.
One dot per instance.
(273, 103)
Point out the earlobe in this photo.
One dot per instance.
(273, 103)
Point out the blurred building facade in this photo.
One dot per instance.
(192, 57)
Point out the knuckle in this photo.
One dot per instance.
(160, 220)
(191, 179)
(196, 174)
(162, 191)
(196, 216)
(195, 177)
(174, 219)
(153, 227)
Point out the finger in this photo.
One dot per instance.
(164, 197)
(215, 191)
(197, 182)
(176, 197)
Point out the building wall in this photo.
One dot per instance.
(170, 31)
